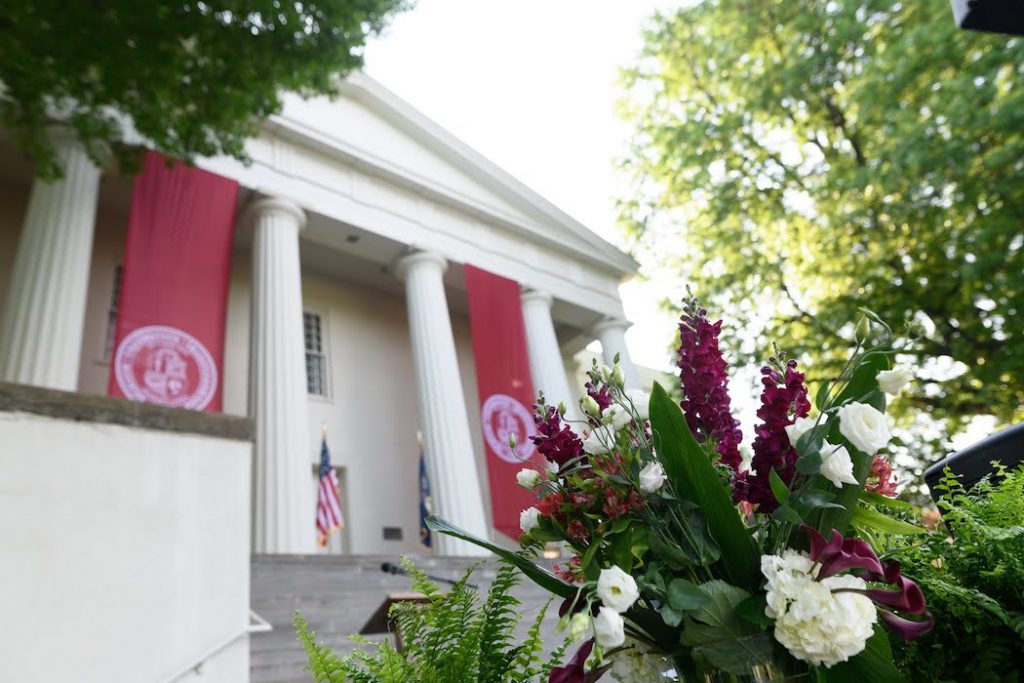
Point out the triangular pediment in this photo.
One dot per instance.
(376, 129)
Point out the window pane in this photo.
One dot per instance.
(316, 360)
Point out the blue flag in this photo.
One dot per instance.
(424, 499)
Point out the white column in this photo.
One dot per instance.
(451, 463)
(546, 365)
(283, 511)
(44, 309)
(612, 334)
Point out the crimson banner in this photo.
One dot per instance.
(169, 344)
(506, 392)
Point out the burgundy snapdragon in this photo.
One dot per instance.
(705, 384)
(783, 400)
(555, 440)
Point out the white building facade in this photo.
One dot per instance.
(347, 306)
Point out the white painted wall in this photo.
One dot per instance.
(125, 551)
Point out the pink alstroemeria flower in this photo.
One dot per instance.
(841, 553)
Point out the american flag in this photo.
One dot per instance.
(328, 504)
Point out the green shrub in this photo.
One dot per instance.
(973, 574)
(455, 636)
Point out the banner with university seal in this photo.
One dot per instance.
(506, 392)
(169, 341)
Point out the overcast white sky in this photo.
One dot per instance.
(531, 84)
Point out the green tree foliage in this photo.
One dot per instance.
(456, 636)
(193, 77)
(820, 156)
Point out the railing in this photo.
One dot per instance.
(257, 624)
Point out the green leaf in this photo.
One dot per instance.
(538, 575)
(885, 501)
(821, 395)
(779, 488)
(785, 513)
(752, 610)
(717, 633)
(693, 477)
(672, 616)
(813, 499)
(873, 665)
(622, 551)
(861, 383)
(685, 595)
(870, 518)
(809, 464)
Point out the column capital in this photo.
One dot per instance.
(530, 296)
(609, 324)
(265, 204)
(406, 262)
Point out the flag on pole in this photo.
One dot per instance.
(424, 497)
(328, 504)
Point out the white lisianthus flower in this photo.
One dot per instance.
(799, 428)
(893, 381)
(552, 467)
(865, 427)
(609, 628)
(619, 417)
(579, 625)
(641, 401)
(652, 477)
(836, 465)
(528, 477)
(598, 441)
(815, 624)
(617, 589)
(590, 406)
(528, 519)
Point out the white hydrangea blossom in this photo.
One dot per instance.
(814, 623)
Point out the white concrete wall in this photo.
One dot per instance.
(125, 552)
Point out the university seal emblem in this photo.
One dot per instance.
(160, 364)
(501, 416)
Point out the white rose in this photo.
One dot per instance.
(617, 589)
(836, 465)
(578, 626)
(528, 519)
(799, 428)
(652, 477)
(598, 441)
(893, 381)
(865, 427)
(641, 401)
(528, 478)
(609, 628)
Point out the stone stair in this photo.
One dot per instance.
(336, 595)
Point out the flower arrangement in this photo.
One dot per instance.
(688, 565)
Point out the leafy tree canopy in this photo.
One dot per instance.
(817, 157)
(195, 78)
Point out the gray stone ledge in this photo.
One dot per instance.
(105, 410)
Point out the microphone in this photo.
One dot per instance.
(397, 570)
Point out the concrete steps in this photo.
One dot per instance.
(337, 595)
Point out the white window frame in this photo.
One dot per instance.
(325, 365)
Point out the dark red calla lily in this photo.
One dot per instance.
(905, 628)
(908, 596)
(841, 553)
(573, 672)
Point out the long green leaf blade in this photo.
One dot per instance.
(694, 478)
(538, 575)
